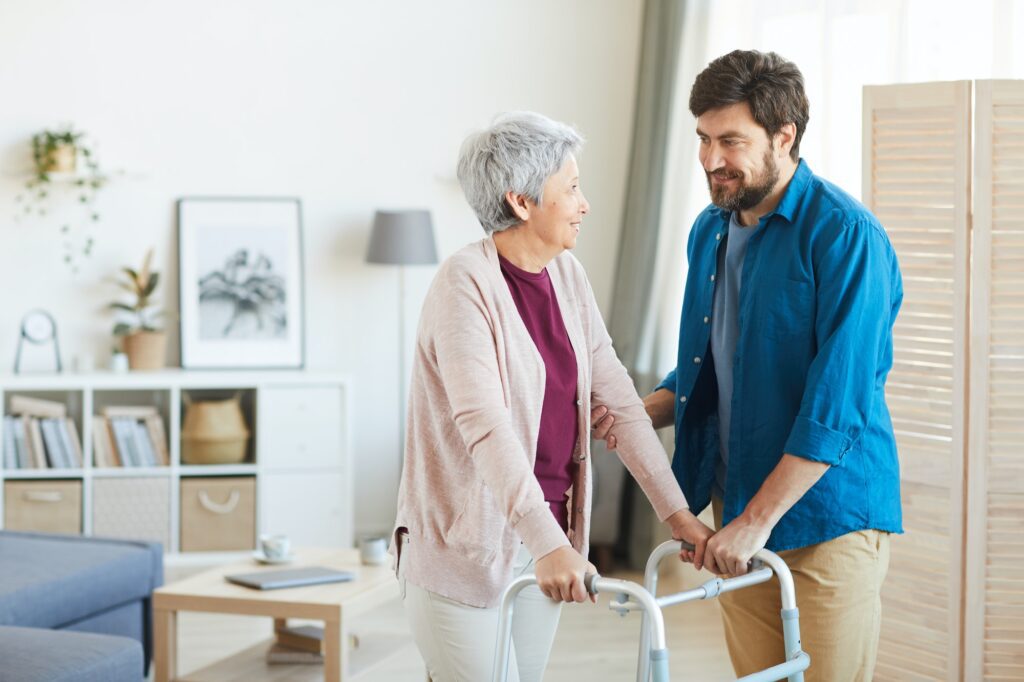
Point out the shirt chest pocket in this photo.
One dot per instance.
(785, 308)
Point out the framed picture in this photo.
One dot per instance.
(241, 283)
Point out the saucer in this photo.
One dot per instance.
(259, 556)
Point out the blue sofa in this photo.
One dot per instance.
(77, 584)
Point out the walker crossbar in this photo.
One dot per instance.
(765, 564)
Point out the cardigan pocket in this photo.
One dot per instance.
(478, 527)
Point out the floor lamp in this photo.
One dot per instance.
(402, 238)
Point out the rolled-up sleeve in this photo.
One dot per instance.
(857, 289)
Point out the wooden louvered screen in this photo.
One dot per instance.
(917, 165)
(994, 608)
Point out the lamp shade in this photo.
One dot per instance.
(402, 238)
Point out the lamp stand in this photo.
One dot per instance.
(401, 369)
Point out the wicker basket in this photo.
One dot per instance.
(214, 432)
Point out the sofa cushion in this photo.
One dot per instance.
(52, 581)
(37, 655)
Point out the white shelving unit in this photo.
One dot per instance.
(299, 450)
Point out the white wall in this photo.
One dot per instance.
(350, 106)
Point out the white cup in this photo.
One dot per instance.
(119, 363)
(373, 551)
(275, 546)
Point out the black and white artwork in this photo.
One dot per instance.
(241, 282)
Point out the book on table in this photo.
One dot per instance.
(279, 653)
(304, 637)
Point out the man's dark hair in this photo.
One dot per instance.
(772, 86)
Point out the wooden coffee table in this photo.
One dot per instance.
(332, 603)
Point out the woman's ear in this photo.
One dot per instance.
(519, 204)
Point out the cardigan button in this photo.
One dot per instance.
(579, 510)
(718, 237)
(696, 361)
(712, 278)
(706, 319)
(682, 399)
(579, 402)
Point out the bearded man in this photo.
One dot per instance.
(778, 395)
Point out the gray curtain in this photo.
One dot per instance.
(620, 510)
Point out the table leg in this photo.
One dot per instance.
(336, 652)
(165, 645)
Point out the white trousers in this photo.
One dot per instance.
(457, 641)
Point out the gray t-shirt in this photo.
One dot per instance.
(725, 330)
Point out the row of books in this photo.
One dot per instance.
(34, 443)
(129, 437)
(38, 434)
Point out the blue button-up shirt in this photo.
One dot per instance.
(821, 289)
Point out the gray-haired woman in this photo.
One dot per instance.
(511, 352)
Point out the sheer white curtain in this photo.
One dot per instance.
(840, 46)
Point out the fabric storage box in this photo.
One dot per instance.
(51, 506)
(132, 508)
(218, 513)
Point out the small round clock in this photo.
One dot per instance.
(38, 327)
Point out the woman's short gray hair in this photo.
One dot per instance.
(517, 153)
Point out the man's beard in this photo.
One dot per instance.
(746, 196)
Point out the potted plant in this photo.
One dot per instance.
(63, 155)
(143, 341)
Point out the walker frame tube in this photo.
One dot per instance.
(657, 659)
(797, 660)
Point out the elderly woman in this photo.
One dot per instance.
(511, 351)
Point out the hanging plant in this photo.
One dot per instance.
(64, 169)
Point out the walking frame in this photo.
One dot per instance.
(652, 664)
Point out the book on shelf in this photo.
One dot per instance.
(37, 407)
(158, 435)
(35, 439)
(74, 443)
(55, 455)
(104, 453)
(10, 445)
(132, 411)
(304, 637)
(143, 449)
(124, 440)
(21, 443)
(278, 653)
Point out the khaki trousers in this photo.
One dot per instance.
(838, 585)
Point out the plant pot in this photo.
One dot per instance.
(63, 159)
(213, 432)
(146, 350)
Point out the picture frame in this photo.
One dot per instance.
(241, 283)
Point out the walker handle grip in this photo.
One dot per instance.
(588, 582)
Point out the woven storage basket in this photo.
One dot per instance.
(214, 432)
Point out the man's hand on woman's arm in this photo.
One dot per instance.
(660, 407)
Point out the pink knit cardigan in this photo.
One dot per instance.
(468, 493)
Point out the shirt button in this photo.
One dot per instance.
(712, 278)
(706, 319)
(696, 361)
(682, 399)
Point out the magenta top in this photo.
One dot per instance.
(535, 299)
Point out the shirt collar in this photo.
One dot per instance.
(790, 200)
